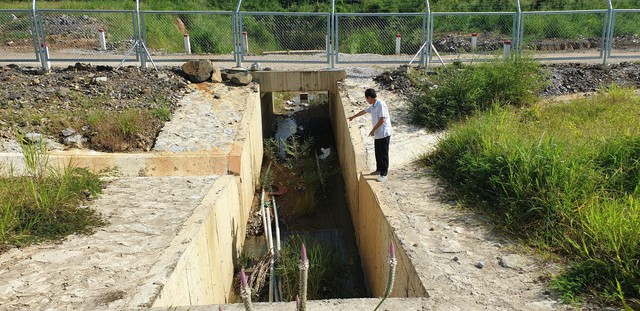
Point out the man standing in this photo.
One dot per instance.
(381, 131)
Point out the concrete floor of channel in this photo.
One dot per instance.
(108, 270)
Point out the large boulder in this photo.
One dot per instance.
(197, 71)
(240, 78)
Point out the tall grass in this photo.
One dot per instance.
(561, 175)
(456, 92)
(326, 273)
(44, 204)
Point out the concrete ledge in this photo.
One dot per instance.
(293, 81)
(395, 304)
(134, 164)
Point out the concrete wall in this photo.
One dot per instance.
(204, 272)
(205, 250)
(373, 231)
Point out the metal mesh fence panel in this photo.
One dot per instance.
(371, 38)
(626, 34)
(16, 36)
(284, 37)
(453, 34)
(563, 35)
(74, 35)
(209, 33)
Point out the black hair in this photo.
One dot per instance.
(370, 93)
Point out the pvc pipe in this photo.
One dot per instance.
(103, 39)
(245, 42)
(187, 44)
(507, 48)
(398, 39)
(278, 248)
(272, 277)
(474, 41)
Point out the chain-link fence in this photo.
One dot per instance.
(379, 38)
(76, 35)
(269, 37)
(284, 37)
(472, 35)
(564, 34)
(172, 36)
(626, 34)
(17, 41)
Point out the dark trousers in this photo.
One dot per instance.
(382, 155)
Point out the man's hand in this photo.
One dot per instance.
(372, 133)
(351, 118)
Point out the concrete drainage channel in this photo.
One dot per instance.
(178, 215)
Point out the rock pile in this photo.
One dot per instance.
(198, 71)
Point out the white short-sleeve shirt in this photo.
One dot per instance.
(379, 110)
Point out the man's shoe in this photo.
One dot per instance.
(375, 173)
(382, 179)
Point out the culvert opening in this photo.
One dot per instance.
(303, 186)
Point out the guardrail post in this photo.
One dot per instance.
(474, 41)
(102, 39)
(245, 43)
(187, 44)
(507, 49)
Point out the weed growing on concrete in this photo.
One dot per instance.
(45, 203)
(563, 176)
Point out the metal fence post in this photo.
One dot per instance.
(426, 20)
(237, 33)
(607, 36)
(333, 38)
(517, 26)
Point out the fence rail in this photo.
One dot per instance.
(41, 35)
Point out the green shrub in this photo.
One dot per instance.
(457, 92)
(564, 176)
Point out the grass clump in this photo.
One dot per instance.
(326, 272)
(45, 203)
(456, 92)
(125, 130)
(563, 176)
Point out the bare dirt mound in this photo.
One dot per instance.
(74, 100)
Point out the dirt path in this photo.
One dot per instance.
(463, 263)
